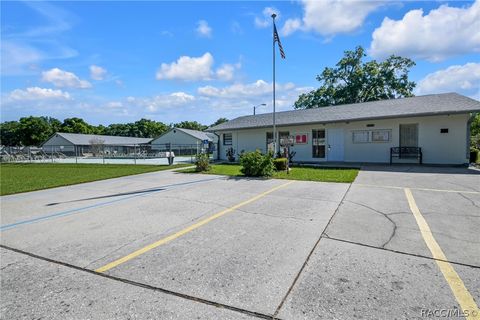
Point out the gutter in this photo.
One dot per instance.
(400, 116)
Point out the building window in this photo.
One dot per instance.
(281, 134)
(362, 136)
(318, 143)
(381, 135)
(444, 130)
(367, 136)
(227, 139)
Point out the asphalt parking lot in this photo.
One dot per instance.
(398, 243)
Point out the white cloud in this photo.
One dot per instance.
(463, 79)
(196, 68)
(187, 68)
(36, 93)
(290, 26)
(114, 104)
(443, 32)
(227, 71)
(61, 78)
(237, 99)
(330, 17)
(163, 101)
(266, 19)
(97, 72)
(203, 29)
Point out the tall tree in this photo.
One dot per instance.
(193, 125)
(219, 121)
(149, 128)
(34, 130)
(352, 81)
(10, 133)
(76, 125)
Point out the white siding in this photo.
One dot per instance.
(438, 148)
(54, 144)
(175, 137)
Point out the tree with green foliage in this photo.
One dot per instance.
(76, 125)
(219, 121)
(149, 129)
(352, 81)
(34, 131)
(193, 125)
(10, 133)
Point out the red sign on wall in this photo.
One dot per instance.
(301, 138)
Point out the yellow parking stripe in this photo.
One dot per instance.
(186, 230)
(464, 298)
(420, 189)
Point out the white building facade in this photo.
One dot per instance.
(442, 138)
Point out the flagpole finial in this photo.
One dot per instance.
(274, 15)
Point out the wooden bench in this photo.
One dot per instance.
(406, 153)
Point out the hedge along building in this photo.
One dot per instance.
(83, 144)
(185, 141)
(439, 124)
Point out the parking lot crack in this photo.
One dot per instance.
(471, 201)
(385, 215)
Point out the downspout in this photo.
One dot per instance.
(218, 145)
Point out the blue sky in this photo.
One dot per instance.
(114, 62)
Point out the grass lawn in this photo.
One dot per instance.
(15, 178)
(296, 173)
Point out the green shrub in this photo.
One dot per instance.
(256, 164)
(202, 162)
(280, 164)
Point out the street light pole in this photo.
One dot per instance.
(255, 107)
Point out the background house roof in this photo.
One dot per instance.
(446, 103)
(84, 139)
(199, 134)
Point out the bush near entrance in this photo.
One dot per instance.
(280, 164)
(202, 162)
(256, 164)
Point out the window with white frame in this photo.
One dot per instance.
(368, 136)
(361, 136)
(381, 135)
(227, 139)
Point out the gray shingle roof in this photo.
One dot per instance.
(199, 134)
(435, 104)
(84, 139)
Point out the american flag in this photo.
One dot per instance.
(276, 38)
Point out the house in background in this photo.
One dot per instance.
(185, 142)
(71, 144)
(437, 125)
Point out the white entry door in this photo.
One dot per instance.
(335, 147)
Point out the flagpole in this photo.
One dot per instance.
(274, 127)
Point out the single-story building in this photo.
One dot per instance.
(438, 125)
(83, 144)
(185, 141)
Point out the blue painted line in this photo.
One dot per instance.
(97, 205)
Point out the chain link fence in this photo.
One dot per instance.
(108, 154)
